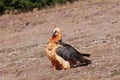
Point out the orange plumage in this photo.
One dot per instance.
(62, 55)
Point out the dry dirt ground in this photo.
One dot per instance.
(91, 26)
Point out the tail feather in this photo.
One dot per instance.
(88, 61)
(87, 55)
(84, 60)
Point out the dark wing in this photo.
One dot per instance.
(69, 53)
(82, 54)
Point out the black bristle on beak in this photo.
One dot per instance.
(54, 34)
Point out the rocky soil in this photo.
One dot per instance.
(91, 26)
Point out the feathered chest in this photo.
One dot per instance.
(51, 49)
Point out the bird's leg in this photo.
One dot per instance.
(53, 62)
(54, 67)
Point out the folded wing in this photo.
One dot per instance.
(68, 53)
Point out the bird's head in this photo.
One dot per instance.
(56, 32)
(56, 35)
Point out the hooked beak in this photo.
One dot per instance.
(54, 34)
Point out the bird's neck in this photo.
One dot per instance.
(56, 39)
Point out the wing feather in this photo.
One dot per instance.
(69, 53)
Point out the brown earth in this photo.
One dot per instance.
(91, 26)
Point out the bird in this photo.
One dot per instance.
(62, 55)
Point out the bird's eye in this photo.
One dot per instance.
(55, 31)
